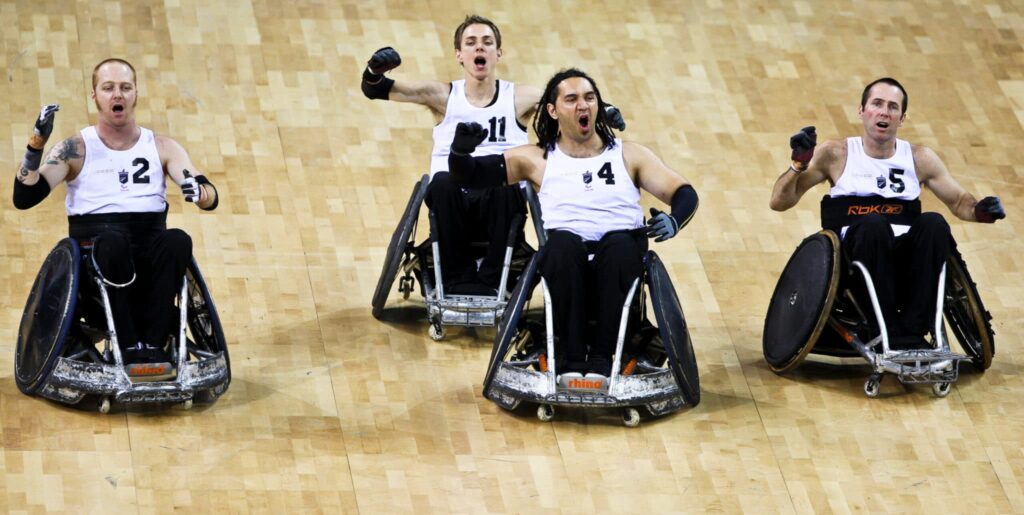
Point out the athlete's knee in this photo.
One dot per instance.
(111, 252)
(441, 189)
(177, 243)
(565, 253)
(933, 224)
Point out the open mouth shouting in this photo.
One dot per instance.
(480, 63)
(584, 122)
(117, 108)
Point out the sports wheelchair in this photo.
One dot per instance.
(653, 367)
(422, 263)
(67, 345)
(814, 311)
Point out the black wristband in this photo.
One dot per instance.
(201, 179)
(684, 204)
(376, 86)
(32, 158)
(26, 196)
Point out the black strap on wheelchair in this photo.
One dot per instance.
(839, 212)
(134, 225)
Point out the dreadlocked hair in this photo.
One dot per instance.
(546, 127)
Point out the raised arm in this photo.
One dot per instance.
(654, 176)
(527, 100)
(195, 187)
(516, 164)
(809, 168)
(932, 172)
(432, 94)
(28, 189)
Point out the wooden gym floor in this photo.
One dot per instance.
(333, 411)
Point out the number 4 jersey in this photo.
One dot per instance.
(118, 181)
(591, 196)
(498, 117)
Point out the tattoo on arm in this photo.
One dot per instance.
(68, 150)
(22, 174)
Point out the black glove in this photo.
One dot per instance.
(614, 117)
(383, 61)
(467, 137)
(988, 210)
(44, 126)
(661, 226)
(803, 144)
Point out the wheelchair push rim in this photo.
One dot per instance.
(675, 335)
(970, 322)
(399, 245)
(802, 301)
(47, 317)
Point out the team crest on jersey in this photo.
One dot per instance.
(587, 179)
(122, 176)
(880, 181)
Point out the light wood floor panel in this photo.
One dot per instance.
(332, 411)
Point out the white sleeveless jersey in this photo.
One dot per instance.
(499, 118)
(865, 176)
(589, 196)
(118, 181)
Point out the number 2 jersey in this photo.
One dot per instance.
(590, 196)
(892, 178)
(118, 181)
(498, 117)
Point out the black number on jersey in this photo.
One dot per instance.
(606, 173)
(140, 177)
(896, 183)
(497, 132)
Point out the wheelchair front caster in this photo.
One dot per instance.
(405, 286)
(104, 405)
(941, 389)
(436, 331)
(186, 404)
(631, 417)
(545, 412)
(873, 385)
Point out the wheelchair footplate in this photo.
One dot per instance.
(923, 366)
(466, 310)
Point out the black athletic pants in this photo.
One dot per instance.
(145, 310)
(464, 216)
(905, 269)
(595, 289)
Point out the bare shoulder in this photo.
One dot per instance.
(70, 150)
(833, 148)
(525, 153)
(927, 163)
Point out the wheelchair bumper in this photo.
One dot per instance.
(466, 310)
(657, 391)
(72, 379)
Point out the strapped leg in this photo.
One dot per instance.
(919, 256)
(168, 256)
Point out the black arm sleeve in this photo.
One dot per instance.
(376, 87)
(477, 172)
(28, 196)
(201, 179)
(684, 204)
